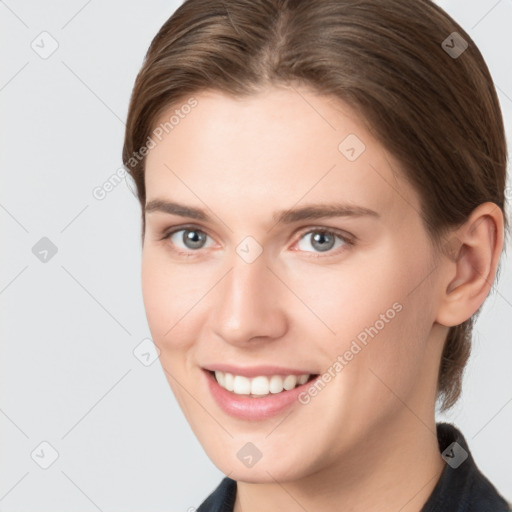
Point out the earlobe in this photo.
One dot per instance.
(470, 261)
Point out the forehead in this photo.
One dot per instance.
(279, 147)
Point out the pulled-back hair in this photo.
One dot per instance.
(396, 62)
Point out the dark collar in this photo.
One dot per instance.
(461, 487)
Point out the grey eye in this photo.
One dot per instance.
(321, 241)
(191, 238)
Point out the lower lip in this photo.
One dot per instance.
(249, 408)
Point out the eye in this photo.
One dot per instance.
(188, 239)
(323, 240)
(191, 239)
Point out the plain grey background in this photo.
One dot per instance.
(71, 374)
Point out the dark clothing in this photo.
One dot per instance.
(461, 487)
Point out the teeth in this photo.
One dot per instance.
(290, 382)
(228, 381)
(302, 379)
(259, 386)
(221, 378)
(241, 385)
(276, 384)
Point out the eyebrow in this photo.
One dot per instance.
(312, 211)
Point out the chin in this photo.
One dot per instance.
(265, 470)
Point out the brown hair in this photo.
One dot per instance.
(437, 112)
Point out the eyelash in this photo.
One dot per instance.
(348, 240)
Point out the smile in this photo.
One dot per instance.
(260, 385)
(256, 397)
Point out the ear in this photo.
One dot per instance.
(470, 262)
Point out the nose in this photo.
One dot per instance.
(249, 303)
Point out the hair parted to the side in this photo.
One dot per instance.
(438, 115)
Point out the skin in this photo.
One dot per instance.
(367, 441)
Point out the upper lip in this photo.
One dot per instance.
(256, 371)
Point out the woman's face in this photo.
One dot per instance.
(297, 249)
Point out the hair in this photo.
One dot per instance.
(437, 113)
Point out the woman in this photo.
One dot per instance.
(260, 131)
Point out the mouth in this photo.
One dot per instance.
(259, 397)
(261, 385)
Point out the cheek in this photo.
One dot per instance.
(155, 294)
(394, 356)
(384, 306)
(353, 298)
(168, 300)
